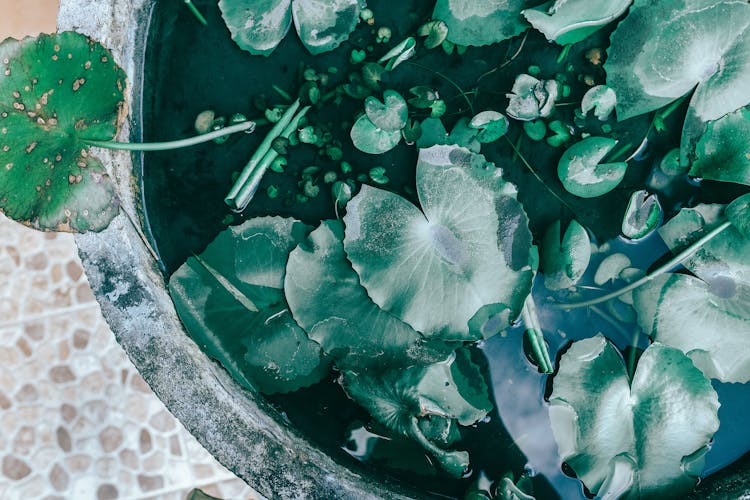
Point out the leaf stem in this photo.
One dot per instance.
(247, 184)
(677, 259)
(196, 12)
(535, 335)
(447, 79)
(248, 126)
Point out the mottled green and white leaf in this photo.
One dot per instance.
(390, 114)
(323, 25)
(723, 152)
(257, 26)
(565, 257)
(601, 99)
(581, 172)
(642, 215)
(368, 138)
(570, 21)
(480, 23)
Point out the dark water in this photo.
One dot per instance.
(190, 68)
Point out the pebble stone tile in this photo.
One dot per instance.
(77, 421)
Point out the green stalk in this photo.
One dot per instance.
(248, 126)
(248, 189)
(677, 259)
(196, 13)
(535, 335)
(275, 131)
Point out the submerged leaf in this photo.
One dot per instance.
(647, 436)
(231, 300)
(565, 258)
(570, 21)
(436, 268)
(56, 91)
(581, 173)
(480, 23)
(723, 153)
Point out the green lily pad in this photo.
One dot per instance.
(565, 258)
(433, 133)
(326, 299)
(581, 173)
(536, 130)
(491, 125)
(570, 21)
(642, 215)
(259, 26)
(231, 300)
(435, 268)
(738, 213)
(399, 399)
(323, 25)
(368, 138)
(619, 435)
(389, 115)
(611, 268)
(723, 152)
(665, 50)
(57, 90)
(480, 23)
(601, 99)
(707, 317)
(435, 31)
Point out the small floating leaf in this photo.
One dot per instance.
(324, 24)
(531, 98)
(570, 21)
(611, 268)
(231, 300)
(57, 90)
(389, 115)
(618, 434)
(642, 215)
(436, 31)
(480, 23)
(435, 268)
(257, 26)
(564, 258)
(581, 173)
(723, 153)
(536, 130)
(601, 99)
(491, 125)
(367, 137)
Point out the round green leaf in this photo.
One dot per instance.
(326, 299)
(723, 152)
(663, 50)
(323, 25)
(389, 115)
(436, 268)
(621, 436)
(565, 258)
(611, 268)
(56, 91)
(642, 215)
(367, 137)
(710, 322)
(491, 125)
(601, 99)
(570, 21)
(581, 173)
(257, 26)
(231, 300)
(480, 23)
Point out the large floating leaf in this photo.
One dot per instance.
(260, 26)
(435, 268)
(707, 317)
(246, 325)
(581, 173)
(647, 436)
(480, 23)
(401, 400)
(326, 299)
(723, 153)
(664, 50)
(570, 21)
(57, 90)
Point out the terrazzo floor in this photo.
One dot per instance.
(76, 419)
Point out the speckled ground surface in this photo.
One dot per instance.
(76, 419)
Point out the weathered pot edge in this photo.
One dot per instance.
(234, 425)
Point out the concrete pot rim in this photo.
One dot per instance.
(237, 427)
